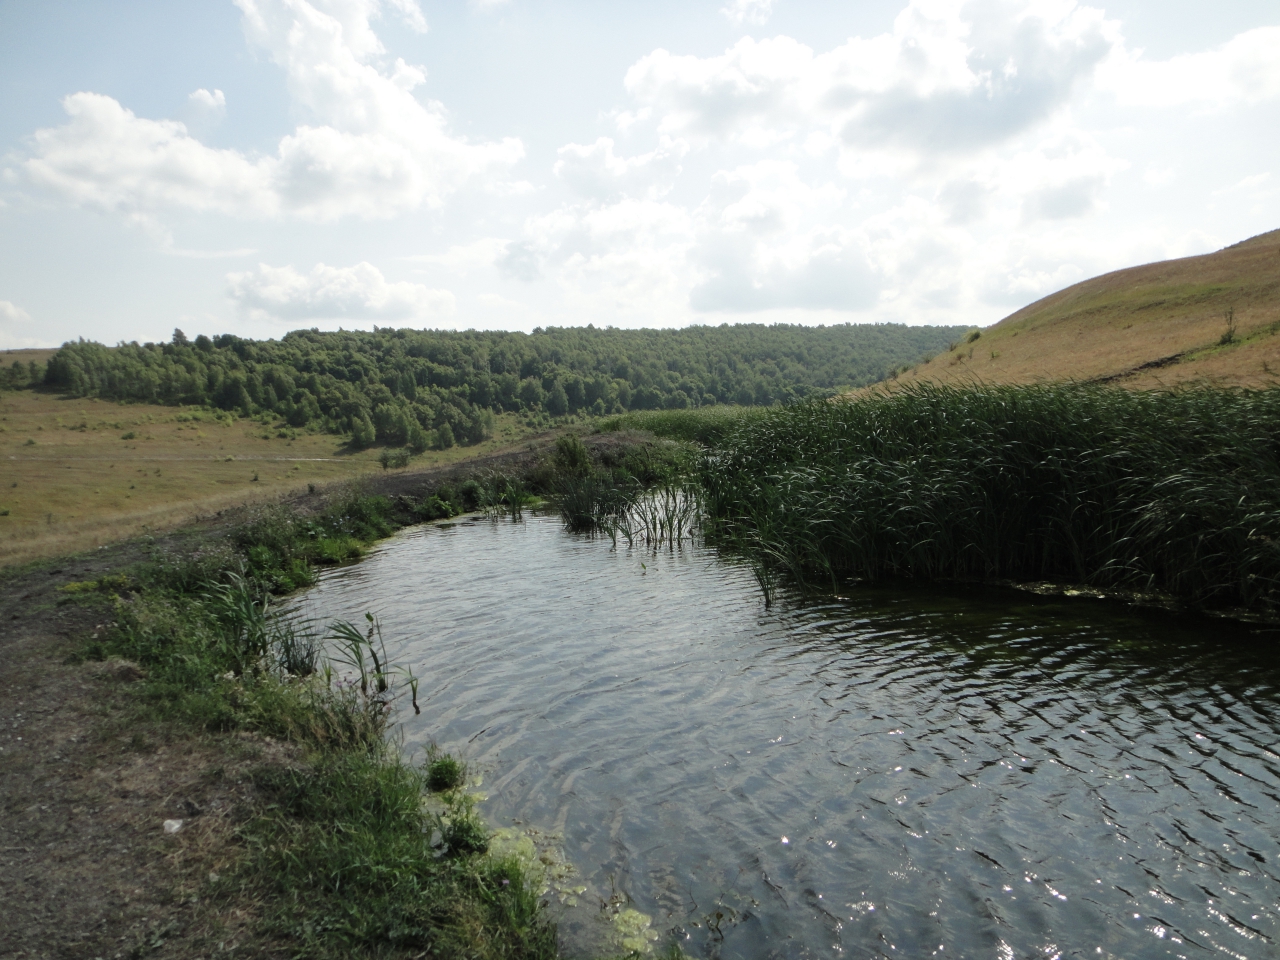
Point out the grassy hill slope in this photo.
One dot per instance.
(1210, 319)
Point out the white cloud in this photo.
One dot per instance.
(831, 274)
(520, 261)
(411, 13)
(768, 197)
(333, 293)
(214, 104)
(748, 11)
(16, 329)
(936, 173)
(1245, 69)
(1254, 182)
(766, 242)
(108, 158)
(625, 262)
(464, 257)
(594, 170)
(951, 77)
(11, 313)
(373, 151)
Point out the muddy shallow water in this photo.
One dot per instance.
(901, 773)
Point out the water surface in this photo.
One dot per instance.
(901, 773)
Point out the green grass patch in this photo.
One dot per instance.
(708, 426)
(445, 773)
(347, 858)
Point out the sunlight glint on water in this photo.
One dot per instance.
(904, 773)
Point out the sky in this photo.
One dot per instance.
(259, 166)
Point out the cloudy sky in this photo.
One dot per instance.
(255, 166)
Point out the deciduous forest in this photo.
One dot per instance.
(424, 388)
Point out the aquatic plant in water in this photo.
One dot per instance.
(366, 653)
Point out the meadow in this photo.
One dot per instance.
(79, 473)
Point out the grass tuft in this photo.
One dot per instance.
(445, 772)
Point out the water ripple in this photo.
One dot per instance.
(901, 773)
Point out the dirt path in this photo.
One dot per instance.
(85, 869)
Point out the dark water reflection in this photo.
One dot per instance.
(901, 774)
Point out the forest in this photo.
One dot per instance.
(428, 388)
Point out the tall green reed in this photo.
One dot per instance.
(503, 495)
(1175, 492)
(366, 654)
(665, 516)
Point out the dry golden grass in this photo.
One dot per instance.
(71, 481)
(1171, 315)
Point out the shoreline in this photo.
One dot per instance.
(102, 750)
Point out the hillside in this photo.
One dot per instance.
(1160, 324)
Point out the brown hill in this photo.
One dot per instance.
(1210, 319)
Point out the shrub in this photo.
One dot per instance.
(395, 458)
(433, 508)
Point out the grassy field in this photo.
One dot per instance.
(81, 473)
(1212, 320)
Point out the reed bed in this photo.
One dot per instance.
(1176, 493)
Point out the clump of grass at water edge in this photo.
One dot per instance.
(1175, 493)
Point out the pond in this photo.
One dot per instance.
(899, 773)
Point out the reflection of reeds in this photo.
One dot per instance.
(1175, 492)
(663, 517)
(596, 503)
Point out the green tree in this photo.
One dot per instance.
(362, 432)
(557, 402)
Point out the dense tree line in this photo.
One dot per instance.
(425, 387)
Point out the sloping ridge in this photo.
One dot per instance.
(1212, 318)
